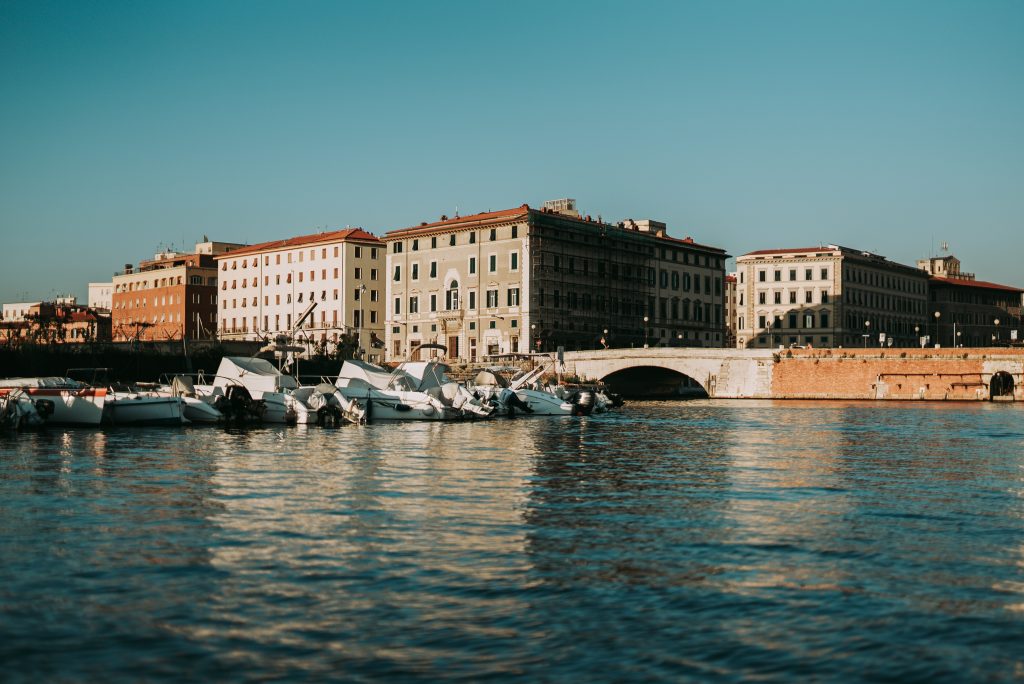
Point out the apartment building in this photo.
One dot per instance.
(313, 288)
(828, 296)
(101, 296)
(526, 279)
(967, 312)
(169, 297)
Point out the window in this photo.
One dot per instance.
(492, 299)
(513, 261)
(472, 238)
(397, 249)
(823, 318)
(398, 272)
(492, 263)
(494, 234)
(762, 298)
(513, 296)
(809, 320)
(824, 296)
(792, 297)
(451, 240)
(824, 274)
(792, 320)
(433, 269)
(414, 272)
(472, 265)
(415, 245)
(373, 273)
(761, 276)
(515, 231)
(808, 296)
(778, 297)
(808, 274)
(778, 276)
(792, 274)
(433, 242)
(433, 302)
(472, 299)
(451, 296)
(359, 273)
(398, 304)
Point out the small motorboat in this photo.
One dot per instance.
(74, 403)
(18, 411)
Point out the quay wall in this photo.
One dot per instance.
(897, 374)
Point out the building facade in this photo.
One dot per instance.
(828, 296)
(333, 282)
(730, 310)
(169, 297)
(524, 279)
(101, 296)
(966, 312)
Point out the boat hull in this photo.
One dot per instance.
(72, 406)
(144, 410)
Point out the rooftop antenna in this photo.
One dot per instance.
(944, 246)
(456, 211)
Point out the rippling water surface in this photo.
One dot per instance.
(703, 540)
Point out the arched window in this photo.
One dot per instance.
(451, 297)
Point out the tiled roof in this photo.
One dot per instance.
(795, 250)
(457, 221)
(688, 241)
(961, 282)
(334, 236)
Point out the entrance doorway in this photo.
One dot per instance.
(453, 347)
(1001, 386)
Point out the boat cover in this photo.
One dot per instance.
(255, 374)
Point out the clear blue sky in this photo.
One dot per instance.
(888, 126)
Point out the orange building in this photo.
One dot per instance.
(169, 297)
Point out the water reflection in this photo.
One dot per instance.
(671, 540)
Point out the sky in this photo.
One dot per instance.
(128, 127)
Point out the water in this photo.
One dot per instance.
(670, 541)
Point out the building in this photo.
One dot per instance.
(525, 279)
(169, 297)
(968, 312)
(828, 296)
(266, 289)
(62, 321)
(101, 296)
(18, 311)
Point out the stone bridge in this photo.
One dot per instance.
(724, 373)
(973, 374)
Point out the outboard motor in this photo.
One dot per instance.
(45, 408)
(583, 403)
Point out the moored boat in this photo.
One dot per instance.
(74, 403)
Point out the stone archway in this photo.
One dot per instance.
(1001, 386)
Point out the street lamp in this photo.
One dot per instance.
(679, 337)
(997, 330)
(938, 315)
(771, 340)
(645, 331)
(604, 338)
(867, 333)
(917, 334)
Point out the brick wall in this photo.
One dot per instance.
(954, 374)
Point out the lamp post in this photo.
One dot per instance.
(679, 338)
(604, 339)
(917, 334)
(938, 314)
(646, 318)
(771, 340)
(997, 331)
(867, 333)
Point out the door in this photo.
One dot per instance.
(453, 347)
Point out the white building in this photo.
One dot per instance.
(101, 296)
(16, 311)
(265, 289)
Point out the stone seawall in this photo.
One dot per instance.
(922, 374)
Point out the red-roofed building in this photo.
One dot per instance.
(828, 296)
(526, 279)
(971, 312)
(313, 288)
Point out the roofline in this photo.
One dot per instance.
(984, 284)
(345, 235)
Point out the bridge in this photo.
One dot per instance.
(724, 373)
(971, 374)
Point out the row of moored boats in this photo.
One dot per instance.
(251, 390)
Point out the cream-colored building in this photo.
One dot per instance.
(524, 279)
(828, 296)
(101, 296)
(335, 278)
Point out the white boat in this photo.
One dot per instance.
(18, 411)
(416, 390)
(272, 391)
(525, 396)
(142, 408)
(74, 403)
(331, 406)
(193, 408)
